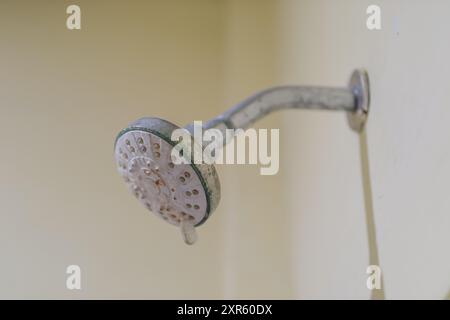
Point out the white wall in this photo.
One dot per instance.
(405, 149)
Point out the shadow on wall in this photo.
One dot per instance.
(370, 216)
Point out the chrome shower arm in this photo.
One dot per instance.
(244, 114)
(354, 100)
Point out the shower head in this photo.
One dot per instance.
(185, 195)
(181, 194)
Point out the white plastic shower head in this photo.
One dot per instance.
(180, 194)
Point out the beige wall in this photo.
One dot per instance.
(65, 95)
(257, 242)
(339, 202)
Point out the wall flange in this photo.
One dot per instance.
(359, 86)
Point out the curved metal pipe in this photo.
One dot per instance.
(265, 102)
(354, 100)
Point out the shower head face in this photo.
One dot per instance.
(174, 192)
